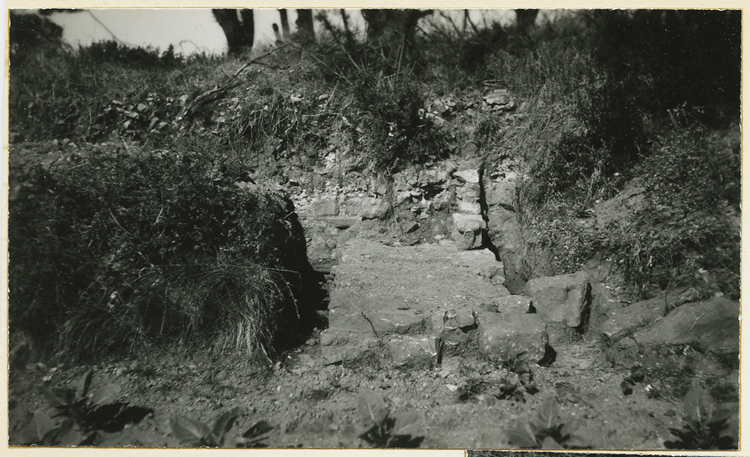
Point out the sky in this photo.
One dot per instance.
(194, 30)
(189, 30)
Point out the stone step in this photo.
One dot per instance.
(402, 298)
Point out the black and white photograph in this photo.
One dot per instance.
(491, 230)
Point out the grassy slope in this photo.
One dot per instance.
(588, 125)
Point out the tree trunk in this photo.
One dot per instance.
(391, 26)
(284, 24)
(276, 32)
(305, 26)
(238, 27)
(525, 20)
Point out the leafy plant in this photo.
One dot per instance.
(704, 425)
(548, 430)
(383, 430)
(194, 433)
(518, 383)
(43, 431)
(87, 410)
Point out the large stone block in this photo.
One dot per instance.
(712, 324)
(509, 336)
(561, 299)
(453, 319)
(319, 249)
(338, 346)
(483, 263)
(413, 350)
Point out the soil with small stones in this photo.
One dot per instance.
(311, 404)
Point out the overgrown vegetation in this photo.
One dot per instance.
(84, 413)
(547, 430)
(383, 429)
(115, 251)
(705, 426)
(660, 112)
(194, 433)
(606, 117)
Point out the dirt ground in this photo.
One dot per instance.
(311, 404)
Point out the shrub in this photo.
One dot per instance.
(91, 92)
(115, 250)
(692, 185)
(395, 134)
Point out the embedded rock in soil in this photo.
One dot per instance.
(712, 324)
(323, 208)
(511, 336)
(561, 299)
(618, 208)
(502, 192)
(624, 321)
(453, 319)
(319, 250)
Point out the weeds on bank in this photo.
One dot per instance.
(382, 429)
(193, 433)
(84, 412)
(547, 430)
(704, 425)
(76, 404)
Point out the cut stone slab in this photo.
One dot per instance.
(469, 192)
(468, 222)
(482, 261)
(512, 304)
(626, 320)
(713, 324)
(343, 222)
(470, 176)
(469, 207)
(323, 208)
(413, 350)
(374, 208)
(561, 299)
(401, 322)
(505, 337)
